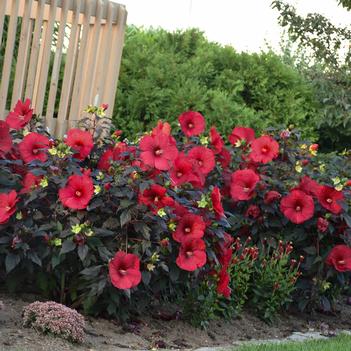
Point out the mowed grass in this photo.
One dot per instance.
(339, 343)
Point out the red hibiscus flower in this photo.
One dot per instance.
(20, 116)
(77, 193)
(297, 206)
(30, 182)
(192, 255)
(243, 183)
(190, 226)
(216, 202)
(216, 140)
(33, 147)
(264, 149)
(5, 138)
(240, 134)
(340, 258)
(271, 196)
(158, 151)
(253, 211)
(7, 205)
(330, 199)
(124, 270)
(162, 127)
(322, 224)
(224, 158)
(81, 142)
(223, 283)
(104, 163)
(203, 158)
(181, 170)
(192, 123)
(155, 197)
(308, 186)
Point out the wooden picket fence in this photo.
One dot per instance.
(62, 54)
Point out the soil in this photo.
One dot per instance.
(153, 332)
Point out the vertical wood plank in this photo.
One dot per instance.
(26, 31)
(2, 17)
(10, 45)
(115, 59)
(82, 57)
(39, 104)
(68, 75)
(102, 67)
(57, 62)
(34, 54)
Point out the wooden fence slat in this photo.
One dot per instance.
(82, 57)
(34, 54)
(10, 45)
(55, 75)
(2, 17)
(69, 70)
(102, 67)
(26, 29)
(115, 59)
(39, 102)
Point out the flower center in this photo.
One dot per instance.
(187, 230)
(264, 149)
(78, 193)
(21, 116)
(190, 125)
(298, 208)
(158, 152)
(7, 208)
(35, 151)
(122, 271)
(179, 174)
(329, 200)
(246, 190)
(200, 163)
(189, 253)
(341, 262)
(156, 199)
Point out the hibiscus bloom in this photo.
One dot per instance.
(330, 199)
(33, 147)
(340, 258)
(181, 170)
(5, 138)
(224, 158)
(158, 151)
(243, 183)
(223, 283)
(308, 186)
(20, 116)
(78, 192)
(190, 226)
(7, 205)
(203, 158)
(297, 206)
(253, 211)
(155, 197)
(30, 182)
(124, 270)
(271, 196)
(216, 202)
(192, 123)
(241, 134)
(216, 140)
(322, 224)
(192, 255)
(81, 142)
(104, 163)
(162, 127)
(264, 149)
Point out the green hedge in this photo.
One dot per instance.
(164, 74)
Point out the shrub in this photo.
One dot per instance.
(54, 318)
(113, 225)
(163, 74)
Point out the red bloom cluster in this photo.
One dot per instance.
(264, 149)
(192, 255)
(330, 199)
(81, 142)
(192, 123)
(20, 116)
(155, 197)
(190, 226)
(340, 258)
(7, 205)
(243, 184)
(78, 192)
(33, 147)
(124, 270)
(241, 134)
(30, 182)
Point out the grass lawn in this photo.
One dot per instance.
(340, 343)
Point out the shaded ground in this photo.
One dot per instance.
(155, 333)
